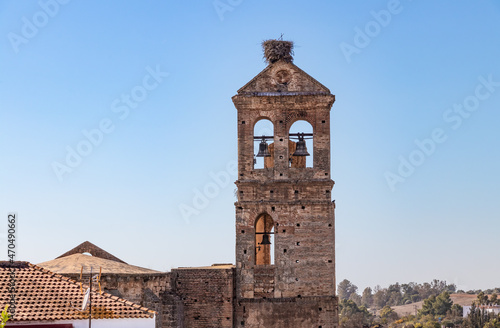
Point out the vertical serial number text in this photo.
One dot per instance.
(11, 254)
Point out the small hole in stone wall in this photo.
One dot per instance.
(243, 323)
(281, 174)
(323, 121)
(296, 279)
(273, 208)
(296, 261)
(303, 207)
(272, 191)
(281, 139)
(197, 317)
(326, 173)
(241, 191)
(327, 191)
(296, 191)
(299, 296)
(242, 122)
(284, 230)
(195, 300)
(244, 251)
(281, 157)
(281, 121)
(329, 261)
(298, 224)
(321, 309)
(329, 224)
(242, 231)
(227, 318)
(298, 243)
(284, 251)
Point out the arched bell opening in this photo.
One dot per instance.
(301, 145)
(263, 135)
(264, 240)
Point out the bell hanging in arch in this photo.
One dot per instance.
(301, 149)
(265, 239)
(263, 150)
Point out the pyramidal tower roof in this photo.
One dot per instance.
(88, 247)
(72, 262)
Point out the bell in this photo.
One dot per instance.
(301, 149)
(263, 151)
(265, 239)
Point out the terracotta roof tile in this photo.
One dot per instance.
(43, 295)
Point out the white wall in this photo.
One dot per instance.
(116, 323)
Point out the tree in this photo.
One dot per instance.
(387, 314)
(457, 310)
(380, 299)
(477, 318)
(427, 308)
(367, 297)
(439, 305)
(352, 316)
(4, 317)
(356, 299)
(345, 289)
(442, 304)
(494, 299)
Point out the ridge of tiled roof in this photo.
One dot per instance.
(44, 295)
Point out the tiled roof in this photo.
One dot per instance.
(43, 295)
(73, 264)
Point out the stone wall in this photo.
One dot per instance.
(207, 295)
(305, 312)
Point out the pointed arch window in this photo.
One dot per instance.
(264, 240)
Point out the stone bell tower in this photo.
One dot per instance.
(285, 223)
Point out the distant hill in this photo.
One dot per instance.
(462, 299)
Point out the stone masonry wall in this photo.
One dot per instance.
(308, 312)
(207, 295)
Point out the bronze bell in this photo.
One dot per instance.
(301, 149)
(265, 239)
(263, 151)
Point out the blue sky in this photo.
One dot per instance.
(141, 93)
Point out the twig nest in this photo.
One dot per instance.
(275, 50)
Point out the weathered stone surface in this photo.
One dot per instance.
(298, 289)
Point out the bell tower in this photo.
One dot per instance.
(285, 223)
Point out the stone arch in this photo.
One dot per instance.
(264, 225)
(263, 126)
(301, 126)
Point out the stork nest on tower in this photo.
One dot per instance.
(275, 50)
